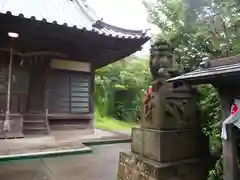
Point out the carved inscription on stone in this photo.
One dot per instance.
(181, 106)
(148, 107)
(175, 108)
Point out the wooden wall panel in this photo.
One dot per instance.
(19, 89)
(14, 104)
(20, 81)
(36, 91)
(80, 93)
(3, 79)
(22, 103)
(67, 92)
(3, 103)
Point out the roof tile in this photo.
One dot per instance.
(71, 13)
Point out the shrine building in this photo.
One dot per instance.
(49, 51)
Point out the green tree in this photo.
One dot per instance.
(198, 29)
(125, 79)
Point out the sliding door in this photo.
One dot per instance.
(67, 92)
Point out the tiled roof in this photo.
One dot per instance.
(207, 73)
(71, 13)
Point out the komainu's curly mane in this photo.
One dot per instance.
(162, 62)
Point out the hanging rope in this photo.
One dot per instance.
(6, 126)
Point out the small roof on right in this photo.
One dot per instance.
(218, 69)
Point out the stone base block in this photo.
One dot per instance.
(15, 124)
(164, 146)
(135, 167)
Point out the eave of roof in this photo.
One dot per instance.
(70, 13)
(209, 73)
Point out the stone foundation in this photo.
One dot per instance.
(135, 167)
(165, 146)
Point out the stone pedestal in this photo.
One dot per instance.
(169, 108)
(16, 127)
(135, 167)
(169, 144)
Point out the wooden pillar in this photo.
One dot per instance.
(91, 90)
(229, 145)
(230, 155)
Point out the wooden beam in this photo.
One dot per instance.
(230, 155)
(229, 145)
(225, 61)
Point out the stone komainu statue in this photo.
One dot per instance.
(162, 61)
(163, 65)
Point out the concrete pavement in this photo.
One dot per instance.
(58, 141)
(100, 165)
(124, 131)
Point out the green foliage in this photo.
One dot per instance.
(217, 172)
(210, 29)
(104, 122)
(198, 29)
(118, 87)
(210, 105)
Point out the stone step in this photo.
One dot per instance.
(69, 126)
(35, 132)
(34, 117)
(164, 146)
(34, 128)
(35, 124)
(135, 167)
